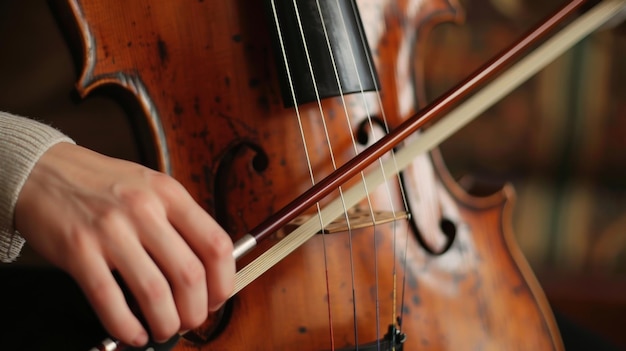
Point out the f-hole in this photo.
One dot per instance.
(259, 163)
(446, 225)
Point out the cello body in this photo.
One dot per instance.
(203, 76)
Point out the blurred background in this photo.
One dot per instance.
(560, 139)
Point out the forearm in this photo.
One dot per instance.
(22, 142)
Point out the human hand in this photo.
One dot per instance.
(90, 214)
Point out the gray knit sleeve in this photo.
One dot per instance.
(22, 142)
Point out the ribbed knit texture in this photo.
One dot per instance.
(22, 142)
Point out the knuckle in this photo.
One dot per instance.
(193, 273)
(191, 294)
(221, 246)
(154, 290)
(156, 179)
(136, 197)
(139, 202)
(223, 283)
(110, 218)
(157, 192)
(164, 184)
(110, 226)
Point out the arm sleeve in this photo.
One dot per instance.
(22, 142)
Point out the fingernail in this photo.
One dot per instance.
(141, 339)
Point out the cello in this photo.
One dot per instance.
(243, 115)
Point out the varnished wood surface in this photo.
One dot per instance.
(30, 32)
(208, 89)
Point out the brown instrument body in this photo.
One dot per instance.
(204, 76)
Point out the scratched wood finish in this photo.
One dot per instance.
(203, 74)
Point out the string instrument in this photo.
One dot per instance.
(252, 104)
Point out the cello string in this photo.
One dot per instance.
(312, 73)
(291, 89)
(453, 121)
(372, 131)
(374, 137)
(401, 134)
(349, 226)
(315, 89)
(384, 118)
(302, 136)
(350, 50)
(331, 154)
(430, 203)
(333, 162)
(322, 114)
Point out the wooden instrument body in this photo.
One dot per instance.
(204, 76)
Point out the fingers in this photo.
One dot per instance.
(165, 277)
(150, 289)
(212, 245)
(184, 270)
(107, 299)
(121, 250)
(178, 244)
(90, 214)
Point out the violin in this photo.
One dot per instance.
(295, 123)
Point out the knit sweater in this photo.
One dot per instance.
(22, 142)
